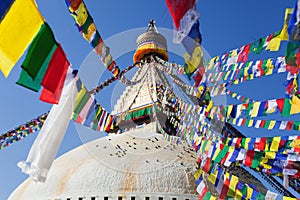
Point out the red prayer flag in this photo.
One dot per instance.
(225, 158)
(249, 158)
(289, 125)
(280, 103)
(261, 144)
(206, 167)
(54, 78)
(178, 8)
(225, 188)
(238, 143)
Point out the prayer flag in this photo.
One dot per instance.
(27, 81)
(55, 77)
(178, 8)
(17, 29)
(46, 145)
(39, 50)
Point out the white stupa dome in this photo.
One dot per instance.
(137, 164)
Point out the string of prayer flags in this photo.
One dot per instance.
(87, 28)
(17, 31)
(267, 124)
(241, 54)
(22, 131)
(112, 79)
(89, 113)
(249, 70)
(262, 108)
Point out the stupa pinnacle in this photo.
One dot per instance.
(151, 43)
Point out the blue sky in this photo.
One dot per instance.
(225, 25)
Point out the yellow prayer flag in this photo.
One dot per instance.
(18, 28)
(227, 74)
(80, 15)
(208, 145)
(238, 195)
(246, 70)
(249, 192)
(247, 140)
(270, 155)
(212, 62)
(295, 108)
(90, 32)
(275, 144)
(255, 109)
(270, 66)
(284, 32)
(250, 124)
(216, 153)
(272, 124)
(232, 186)
(274, 44)
(197, 174)
(194, 60)
(80, 95)
(213, 177)
(229, 110)
(234, 121)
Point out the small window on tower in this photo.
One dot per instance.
(93, 198)
(105, 198)
(80, 198)
(120, 198)
(147, 198)
(174, 198)
(160, 198)
(132, 198)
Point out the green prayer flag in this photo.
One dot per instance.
(256, 159)
(39, 51)
(203, 146)
(244, 191)
(250, 106)
(207, 196)
(267, 124)
(243, 140)
(290, 53)
(286, 111)
(260, 196)
(27, 81)
(82, 102)
(259, 45)
(296, 125)
(222, 154)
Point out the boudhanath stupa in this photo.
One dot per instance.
(137, 161)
